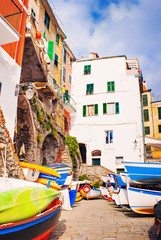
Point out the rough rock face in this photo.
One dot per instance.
(12, 163)
(94, 173)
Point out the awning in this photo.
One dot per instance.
(152, 142)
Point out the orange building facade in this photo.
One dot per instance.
(12, 28)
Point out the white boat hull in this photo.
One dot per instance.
(123, 196)
(7, 184)
(143, 200)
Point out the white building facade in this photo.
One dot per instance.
(108, 121)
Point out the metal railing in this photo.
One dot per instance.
(11, 12)
(69, 100)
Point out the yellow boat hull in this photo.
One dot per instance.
(42, 169)
(45, 181)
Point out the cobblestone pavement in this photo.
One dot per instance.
(102, 220)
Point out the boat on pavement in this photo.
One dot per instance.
(25, 202)
(144, 173)
(143, 200)
(38, 227)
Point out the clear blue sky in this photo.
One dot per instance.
(116, 27)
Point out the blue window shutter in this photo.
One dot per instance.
(117, 108)
(50, 49)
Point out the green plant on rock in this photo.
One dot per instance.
(34, 100)
(39, 138)
(83, 177)
(36, 107)
(54, 132)
(73, 147)
(48, 116)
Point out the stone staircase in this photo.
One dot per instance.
(8, 156)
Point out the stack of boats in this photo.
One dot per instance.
(139, 188)
(30, 209)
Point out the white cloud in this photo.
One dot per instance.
(124, 29)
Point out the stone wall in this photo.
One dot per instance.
(12, 163)
(94, 172)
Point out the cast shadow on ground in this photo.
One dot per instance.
(58, 230)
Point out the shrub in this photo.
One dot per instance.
(83, 177)
(73, 147)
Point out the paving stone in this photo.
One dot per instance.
(100, 219)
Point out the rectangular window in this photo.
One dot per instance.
(95, 161)
(146, 115)
(70, 62)
(159, 112)
(47, 20)
(64, 74)
(118, 160)
(50, 49)
(33, 13)
(70, 80)
(87, 69)
(109, 137)
(145, 100)
(147, 130)
(159, 128)
(110, 86)
(57, 39)
(65, 56)
(0, 87)
(111, 108)
(56, 60)
(90, 110)
(90, 88)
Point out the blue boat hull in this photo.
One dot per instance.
(144, 173)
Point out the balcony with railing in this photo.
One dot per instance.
(132, 67)
(10, 18)
(69, 103)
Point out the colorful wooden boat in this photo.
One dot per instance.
(142, 200)
(123, 198)
(144, 173)
(38, 227)
(22, 203)
(60, 180)
(42, 169)
(72, 196)
(92, 194)
(48, 183)
(7, 184)
(104, 192)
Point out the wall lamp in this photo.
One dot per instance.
(135, 143)
(28, 89)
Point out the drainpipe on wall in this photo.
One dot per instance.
(143, 127)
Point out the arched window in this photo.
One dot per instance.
(96, 153)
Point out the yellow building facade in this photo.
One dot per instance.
(152, 122)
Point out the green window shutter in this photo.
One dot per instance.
(159, 112)
(108, 87)
(50, 49)
(104, 108)
(57, 38)
(146, 115)
(84, 110)
(65, 56)
(159, 128)
(117, 107)
(56, 59)
(112, 86)
(147, 130)
(96, 109)
(145, 100)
